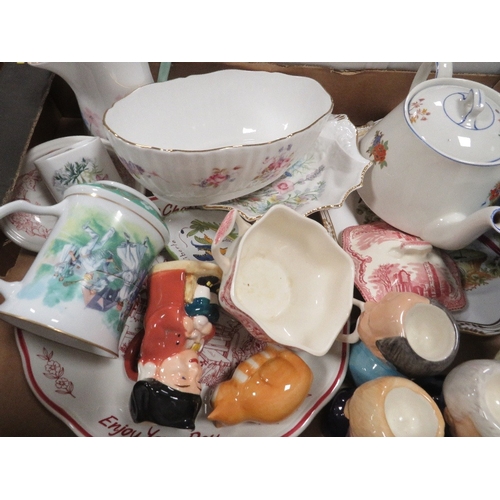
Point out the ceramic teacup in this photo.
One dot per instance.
(416, 335)
(393, 407)
(84, 281)
(285, 279)
(472, 398)
(84, 162)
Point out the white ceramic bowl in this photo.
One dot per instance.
(214, 137)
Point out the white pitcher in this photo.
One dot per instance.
(98, 85)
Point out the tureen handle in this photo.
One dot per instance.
(443, 70)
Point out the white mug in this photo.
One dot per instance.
(285, 279)
(84, 281)
(80, 163)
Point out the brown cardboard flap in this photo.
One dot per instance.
(362, 95)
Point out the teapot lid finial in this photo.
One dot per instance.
(459, 119)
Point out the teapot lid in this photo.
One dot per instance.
(459, 119)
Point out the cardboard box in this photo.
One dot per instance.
(36, 106)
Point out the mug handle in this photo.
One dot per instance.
(443, 70)
(25, 206)
(353, 337)
(227, 225)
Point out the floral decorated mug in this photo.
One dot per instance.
(84, 281)
(80, 163)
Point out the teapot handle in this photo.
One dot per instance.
(443, 70)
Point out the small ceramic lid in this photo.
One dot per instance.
(459, 119)
(120, 193)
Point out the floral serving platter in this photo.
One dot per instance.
(321, 179)
(91, 393)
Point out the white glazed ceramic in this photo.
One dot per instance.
(285, 279)
(30, 231)
(414, 334)
(436, 161)
(393, 407)
(83, 283)
(97, 85)
(91, 394)
(80, 163)
(322, 179)
(471, 394)
(209, 138)
(386, 260)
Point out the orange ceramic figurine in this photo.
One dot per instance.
(178, 321)
(266, 388)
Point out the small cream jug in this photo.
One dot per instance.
(436, 160)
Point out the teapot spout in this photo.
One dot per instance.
(456, 231)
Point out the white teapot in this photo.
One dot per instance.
(436, 160)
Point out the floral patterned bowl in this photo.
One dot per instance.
(210, 138)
